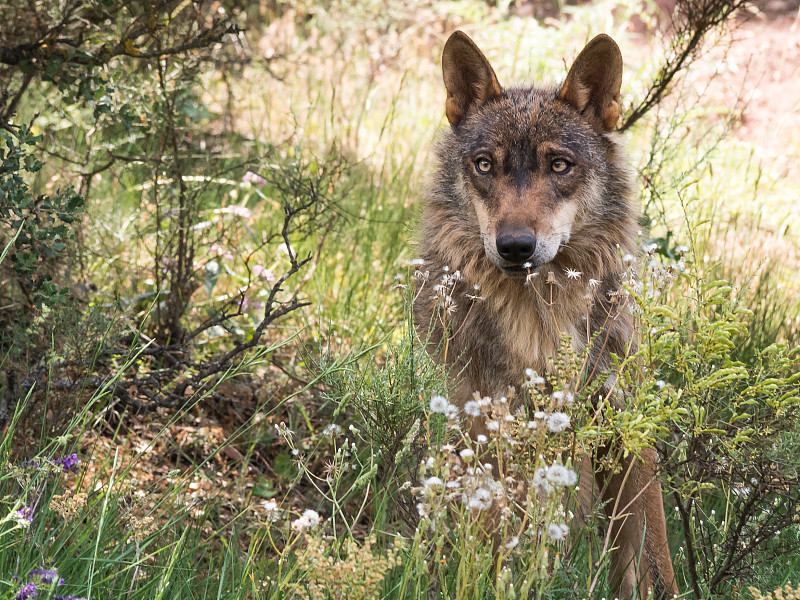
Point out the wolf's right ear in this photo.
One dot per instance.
(468, 77)
(593, 83)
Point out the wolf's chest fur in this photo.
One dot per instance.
(505, 326)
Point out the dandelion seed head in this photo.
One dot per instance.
(439, 404)
(561, 475)
(481, 499)
(557, 422)
(557, 532)
(512, 543)
(472, 408)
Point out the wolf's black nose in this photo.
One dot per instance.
(516, 247)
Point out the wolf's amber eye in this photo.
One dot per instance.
(483, 165)
(560, 165)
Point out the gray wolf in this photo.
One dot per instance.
(531, 190)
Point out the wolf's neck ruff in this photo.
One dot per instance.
(530, 202)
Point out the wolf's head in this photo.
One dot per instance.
(535, 165)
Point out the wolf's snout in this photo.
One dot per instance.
(516, 247)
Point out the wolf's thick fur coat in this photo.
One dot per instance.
(533, 180)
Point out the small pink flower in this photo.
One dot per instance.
(263, 273)
(239, 211)
(254, 178)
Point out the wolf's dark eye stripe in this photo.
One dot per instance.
(560, 165)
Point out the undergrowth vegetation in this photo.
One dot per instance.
(210, 385)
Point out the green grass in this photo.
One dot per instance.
(364, 92)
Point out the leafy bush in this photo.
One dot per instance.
(40, 227)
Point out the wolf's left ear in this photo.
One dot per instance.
(593, 83)
(468, 77)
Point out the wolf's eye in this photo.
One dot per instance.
(560, 165)
(483, 165)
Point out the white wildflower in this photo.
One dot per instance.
(481, 439)
(573, 274)
(433, 482)
(451, 411)
(628, 258)
(467, 454)
(332, 430)
(540, 480)
(561, 475)
(594, 283)
(472, 408)
(439, 404)
(558, 421)
(481, 499)
(512, 543)
(493, 426)
(310, 518)
(557, 532)
(271, 508)
(417, 262)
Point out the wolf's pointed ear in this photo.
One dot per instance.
(468, 77)
(593, 83)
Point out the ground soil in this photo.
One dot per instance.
(761, 70)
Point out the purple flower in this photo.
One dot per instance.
(25, 514)
(26, 591)
(68, 463)
(29, 464)
(46, 576)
